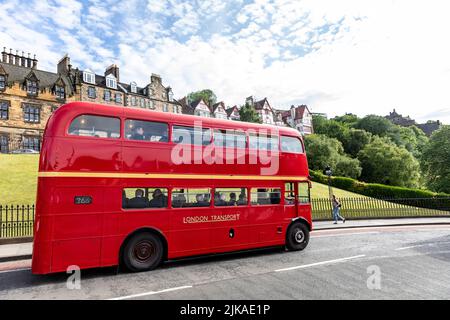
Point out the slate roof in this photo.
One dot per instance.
(46, 79)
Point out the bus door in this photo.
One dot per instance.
(290, 203)
(304, 199)
(229, 226)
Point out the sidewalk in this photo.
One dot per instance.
(20, 251)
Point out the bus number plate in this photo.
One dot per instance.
(83, 200)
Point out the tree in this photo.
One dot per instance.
(354, 140)
(248, 113)
(384, 162)
(330, 128)
(436, 160)
(206, 94)
(322, 151)
(375, 124)
(348, 119)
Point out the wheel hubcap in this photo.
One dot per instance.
(143, 251)
(299, 236)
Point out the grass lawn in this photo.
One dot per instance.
(18, 178)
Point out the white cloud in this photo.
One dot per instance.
(357, 56)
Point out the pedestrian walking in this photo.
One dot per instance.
(336, 210)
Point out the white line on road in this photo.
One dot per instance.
(343, 234)
(410, 247)
(14, 270)
(149, 293)
(320, 263)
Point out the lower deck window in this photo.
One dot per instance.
(265, 196)
(141, 198)
(187, 198)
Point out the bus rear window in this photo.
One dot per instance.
(95, 126)
(291, 144)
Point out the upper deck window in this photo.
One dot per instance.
(291, 144)
(191, 135)
(95, 126)
(146, 130)
(263, 142)
(229, 139)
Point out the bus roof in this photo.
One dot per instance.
(60, 119)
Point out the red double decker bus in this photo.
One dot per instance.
(134, 187)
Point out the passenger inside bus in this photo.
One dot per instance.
(139, 201)
(242, 200)
(233, 200)
(201, 202)
(138, 133)
(159, 199)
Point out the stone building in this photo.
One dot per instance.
(233, 113)
(300, 118)
(197, 108)
(27, 98)
(219, 110)
(396, 118)
(263, 108)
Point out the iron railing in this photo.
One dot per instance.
(17, 220)
(372, 208)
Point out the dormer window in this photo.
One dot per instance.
(133, 87)
(2, 82)
(111, 81)
(60, 92)
(89, 77)
(170, 95)
(32, 87)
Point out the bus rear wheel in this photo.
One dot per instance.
(143, 252)
(297, 236)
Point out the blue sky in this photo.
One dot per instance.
(357, 56)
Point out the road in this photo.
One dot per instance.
(403, 262)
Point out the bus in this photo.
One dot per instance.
(131, 187)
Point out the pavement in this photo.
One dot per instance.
(405, 261)
(22, 251)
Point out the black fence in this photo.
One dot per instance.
(16, 221)
(371, 208)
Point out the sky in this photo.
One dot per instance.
(346, 56)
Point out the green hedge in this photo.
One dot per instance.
(374, 190)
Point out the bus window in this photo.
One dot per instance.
(229, 139)
(189, 135)
(303, 192)
(265, 196)
(230, 197)
(146, 130)
(263, 142)
(142, 198)
(289, 193)
(95, 126)
(291, 144)
(187, 198)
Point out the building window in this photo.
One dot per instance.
(31, 143)
(118, 98)
(111, 82)
(142, 103)
(88, 77)
(170, 96)
(91, 93)
(4, 145)
(133, 100)
(107, 95)
(133, 87)
(165, 107)
(32, 87)
(31, 113)
(60, 92)
(152, 104)
(2, 82)
(4, 110)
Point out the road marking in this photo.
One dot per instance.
(320, 263)
(343, 234)
(150, 293)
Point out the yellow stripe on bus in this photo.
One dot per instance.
(60, 174)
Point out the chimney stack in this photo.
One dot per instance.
(23, 60)
(114, 70)
(64, 65)
(155, 78)
(10, 57)
(28, 61)
(17, 58)
(4, 55)
(34, 62)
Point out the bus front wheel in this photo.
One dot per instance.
(144, 251)
(297, 236)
